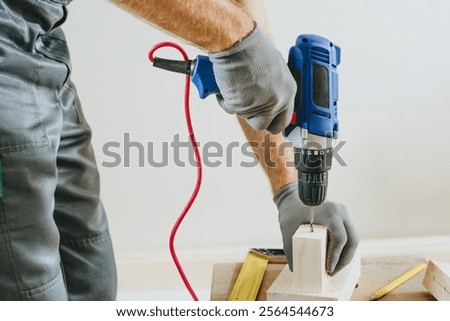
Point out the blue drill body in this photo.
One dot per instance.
(313, 62)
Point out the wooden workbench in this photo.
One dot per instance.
(376, 272)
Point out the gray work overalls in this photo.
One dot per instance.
(54, 239)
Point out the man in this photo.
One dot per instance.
(54, 239)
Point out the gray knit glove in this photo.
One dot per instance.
(342, 237)
(255, 83)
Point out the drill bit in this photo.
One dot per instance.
(311, 218)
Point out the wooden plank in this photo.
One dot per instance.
(437, 280)
(375, 272)
(398, 281)
(309, 280)
(379, 271)
(223, 279)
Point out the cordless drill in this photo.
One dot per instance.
(314, 125)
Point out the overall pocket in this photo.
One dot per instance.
(20, 124)
(53, 46)
(30, 84)
(33, 70)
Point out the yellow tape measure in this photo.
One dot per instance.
(250, 277)
(398, 281)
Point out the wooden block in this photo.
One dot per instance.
(309, 249)
(339, 287)
(437, 280)
(309, 280)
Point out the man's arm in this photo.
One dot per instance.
(274, 151)
(214, 25)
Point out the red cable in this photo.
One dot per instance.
(198, 161)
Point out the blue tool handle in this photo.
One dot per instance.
(203, 77)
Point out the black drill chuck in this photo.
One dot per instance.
(313, 167)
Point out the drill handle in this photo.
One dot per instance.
(203, 77)
(200, 70)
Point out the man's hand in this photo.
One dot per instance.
(342, 237)
(255, 83)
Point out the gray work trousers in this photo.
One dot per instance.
(54, 239)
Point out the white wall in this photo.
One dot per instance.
(393, 112)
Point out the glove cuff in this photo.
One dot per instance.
(285, 191)
(255, 36)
